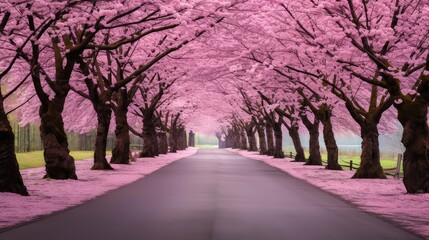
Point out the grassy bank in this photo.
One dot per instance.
(35, 159)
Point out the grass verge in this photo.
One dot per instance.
(35, 158)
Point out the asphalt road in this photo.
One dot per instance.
(217, 195)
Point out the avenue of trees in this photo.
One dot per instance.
(246, 70)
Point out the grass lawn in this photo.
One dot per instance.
(345, 160)
(35, 159)
(385, 163)
(344, 157)
(206, 146)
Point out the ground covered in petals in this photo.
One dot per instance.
(387, 198)
(47, 196)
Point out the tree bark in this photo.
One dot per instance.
(163, 143)
(150, 141)
(370, 166)
(243, 141)
(183, 138)
(59, 163)
(413, 118)
(10, 177)
(104, 114)
(173, 140)
(191, 139)
(251, 139)
(294, 134)
(228, 139)
(331, 144)
(262, 140)
(278, 148)
(235, 138)
(270, 140)
(314, 147)
(174, 134)
(121, 151)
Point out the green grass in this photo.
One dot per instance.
(35, 159)
(206, 146)
(344, 159)
(385, 163)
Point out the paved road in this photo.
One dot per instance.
(215, 195)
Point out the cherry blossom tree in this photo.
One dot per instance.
(376, 43)
(10, 178)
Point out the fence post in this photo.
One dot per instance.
(351, 165)
(290, 155)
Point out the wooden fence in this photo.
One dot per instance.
(395, 171)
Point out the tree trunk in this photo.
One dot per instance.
(10, 177)
(121, 151)
(270, 140)
(182, 139)
(163, 143)
(243, 141)
(173, 139)
(150, 142)
(262, 140)
(314, 147)
(104, 114)
(191, 139)
(228, 139)
(294, 134)
(278, 148)
(370, 166)
(59, 163)
(331, 144)
(252, 140)
(185, 139)
(235, 139)
(413, 117)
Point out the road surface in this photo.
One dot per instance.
(216, 195)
